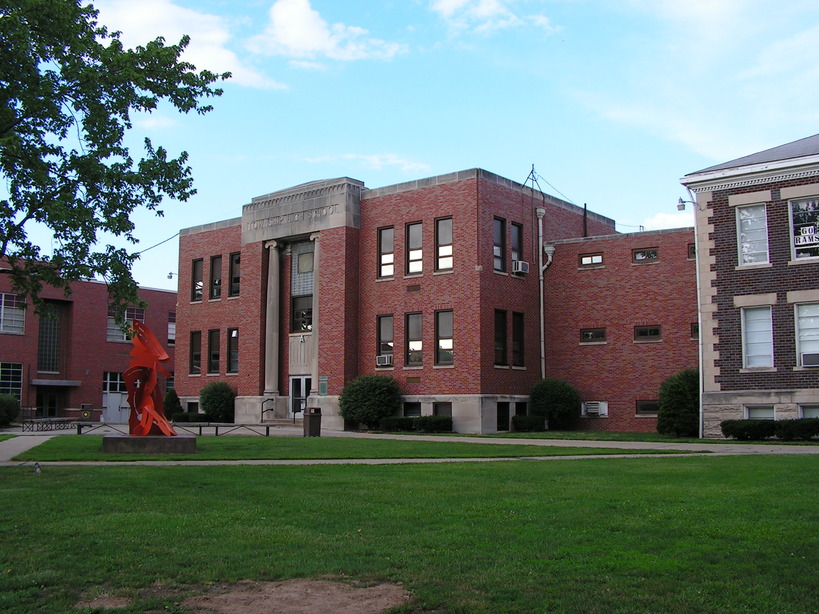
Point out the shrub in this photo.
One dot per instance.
(804, 428)
(392, 424)
(216, 401)
(171, 403)
(187, 416)
(368, 398)
(423, 424)
(528, 424)
(679, 410)
(558, 401)
(748, 430)
(9, 409)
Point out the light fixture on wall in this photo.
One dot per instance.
(171, 275)
(681, 205)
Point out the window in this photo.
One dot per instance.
(590, 260)
(12, 314)
(757, 337)
(805, 228)
(521, 408)
(503, 415)
(592, 335)
(233, 350)
(385, 343)
(692, 251)
(386, 255)
(809, 411)
(414, 341)
(304, 262)
(645, 255)
(500, 337)
(517, 241)
(807, 335)
(760, 412)
(11, 379)
(302, 315)
(132, 314)
(414, 251)
(196, 280)
(695, 330)
(442, 409)
(412, 410)
(752, 233)
(499, 244)
(195, 366)
(517, 340)
(215, 278)
(213, 351)
(443, 244)
(647, 408)
(647, 333)
(171, 328)
(444, 348)
(49, 341)
(234, 272)
(113, 382)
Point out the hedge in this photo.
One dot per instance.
(528, 424)
(422, 424)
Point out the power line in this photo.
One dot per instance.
(157, 245)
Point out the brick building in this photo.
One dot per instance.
(758, 239)
(59, 366)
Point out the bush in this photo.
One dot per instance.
(216, 402)
(9, 409)
(423, 424)
(528, 424)
(804, 428)
(748, 430)
(369, 398)
(558, 401)
(187, 416)
(678, 415)
(171, 403)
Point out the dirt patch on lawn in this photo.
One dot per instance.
(302, 596)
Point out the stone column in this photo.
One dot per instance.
(314, 369)
(272, 325)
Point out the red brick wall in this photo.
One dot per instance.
(619, 296)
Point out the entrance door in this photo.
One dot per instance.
(116, 407)
(48, 404)
(299, 391)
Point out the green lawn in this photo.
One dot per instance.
(238, 447)
(661, 535)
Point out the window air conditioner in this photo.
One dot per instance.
(595, 408)
(383, 360)
(810, 360)
(520, 266)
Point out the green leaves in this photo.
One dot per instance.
(67, 92)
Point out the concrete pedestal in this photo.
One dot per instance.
(149, 444)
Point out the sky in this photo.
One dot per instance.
(611, 101)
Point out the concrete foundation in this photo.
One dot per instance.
(149, 444)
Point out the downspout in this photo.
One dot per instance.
(700, 361)
(549, 250)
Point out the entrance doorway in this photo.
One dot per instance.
(48, 404)
(116, 410)
(299, 391)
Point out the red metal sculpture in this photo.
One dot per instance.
(147, 409)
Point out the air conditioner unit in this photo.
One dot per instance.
(383, 360)
(810, 360)
(519, 266)
(595, 408)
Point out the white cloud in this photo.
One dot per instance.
(376, 161)
(485, 15)
(141, 22)
(153, 121)
(297, 30)
(660, 221)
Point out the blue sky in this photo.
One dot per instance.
(612, 101)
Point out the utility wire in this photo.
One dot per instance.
(157, 245)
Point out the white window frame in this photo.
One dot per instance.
(808, 233)
(12, 314)
(807, 330)
(755, 324)
(114, 332)
(759, 412)
(746, 254)
(11, 379)
(809, 410)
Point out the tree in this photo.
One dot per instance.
(216, 401)
(368, 398)
(68, 88)
(558, 401)
(678, 414)
(171, 403)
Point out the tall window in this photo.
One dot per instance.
(195, 366)
(11, 379)
(517, 241)
(171, 328)
(132, 314)
(443, 244)
(196, 280)
(500, 337)
(807, 327)
(414, 340)
(12, 314)
(444, 338)
(215, 277)
(386, 337)
(234, 272)
(414, 251)
(233, 350)
(302, 316)
(301, 287)
(49, 342)
(517, 340)
(805, 225)
(386, 252)
(752, 234)
(213, 351)
(499, 244)
(757, 337)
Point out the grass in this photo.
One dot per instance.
(651, 535)
(4, 436)
(237, 447)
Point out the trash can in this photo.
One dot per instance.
(312, 422)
